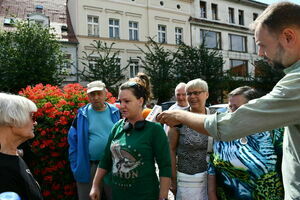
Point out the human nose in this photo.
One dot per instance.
(261, 52)
(96, 96)
(122, 105)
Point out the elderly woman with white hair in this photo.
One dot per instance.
(16, 126)
(189, 170)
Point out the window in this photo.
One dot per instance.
(134, 68)
(9, 21)
(231, 15)
(214, 11)
(241, 17)
(39, 18)
(239, 67)
(255, 15)
(162, 34)
(237, 43)
(68, 66)
(202, 9)
(255, 47)
(92, 61)
(39, 22)
(210, 39)
(118, 68)
(95, 62)
(178, 35)
(133, 30)
(93, 26)
(114, 28)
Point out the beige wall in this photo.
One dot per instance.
(223, 26)
(173, 13)
(148, 14)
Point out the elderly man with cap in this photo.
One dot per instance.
(88, 136)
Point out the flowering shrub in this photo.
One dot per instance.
(56, 110)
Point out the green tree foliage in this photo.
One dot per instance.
(103, 63)
(30, 55)
(158, 65)
(200, 62)
(266, 76)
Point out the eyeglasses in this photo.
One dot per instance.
(196, 93)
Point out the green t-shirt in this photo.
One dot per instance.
(131, 156)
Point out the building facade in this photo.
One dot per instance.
(52, 14)
(224, 25)
(129, 23)
(220, 24)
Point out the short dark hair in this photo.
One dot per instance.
(278, 16)
(248, 92)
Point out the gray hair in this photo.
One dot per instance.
(15, 110)
(278, 16)
(180, 85)
(196, 84)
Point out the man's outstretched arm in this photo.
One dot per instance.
(177, 117)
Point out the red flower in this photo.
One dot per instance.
(48, 178)
(43, 132)
(56, 110)
(46, 193)
(54, 154)
(56, 186)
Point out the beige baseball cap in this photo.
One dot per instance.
(95, 86)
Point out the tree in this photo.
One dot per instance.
(30, 55)
(158, 64)
(103, 63)
(263, 79)
(266, 76)
(200, 62)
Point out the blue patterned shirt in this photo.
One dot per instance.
(249, 168)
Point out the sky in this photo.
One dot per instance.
(274, 1)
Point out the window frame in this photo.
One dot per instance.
(255, 15)
(244, 43)
(244, 72)
(114, 29)
(241, 17)
(255, 46)
(132, 30)
(214, 11)
(203, 9)
(178, 35)
(217, 38)
(162, 34)
(134, 68)
(231, 18)
(93, 24)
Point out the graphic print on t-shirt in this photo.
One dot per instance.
(125, 163)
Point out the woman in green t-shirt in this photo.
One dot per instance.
(133, 148)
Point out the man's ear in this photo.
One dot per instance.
(289, 37)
